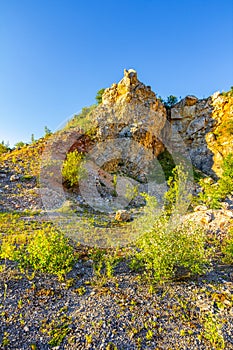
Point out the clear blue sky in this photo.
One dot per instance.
(56, 54)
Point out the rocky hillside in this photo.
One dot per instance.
(200, 129)
(73, 276)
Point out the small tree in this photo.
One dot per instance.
(171, 101)
(99, 96)
(4, 147)
(47, 131)
(19, 144)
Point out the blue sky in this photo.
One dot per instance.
(55, 55)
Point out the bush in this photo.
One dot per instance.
(36, 245)
(227, 248)
(20, 144)
(177, 195)
(212, 194)
(73, 168)
(48, 252)
(163, 252)
(99, 96)
(170, 248)
(3, 148)
(226, 181)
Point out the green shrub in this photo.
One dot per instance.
(167, 163)
(226, 181)
(36, 245)
(228, 93)
(3, 148)
(212, 194)
(82, 119)
(20, 144)
(177, 194)
(227, 248)
(73, 168)
(99, 96)
(212, 331)
(162, 252)
(48, 252)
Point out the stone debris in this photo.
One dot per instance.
(122, 215)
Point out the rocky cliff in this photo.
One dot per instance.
(130, 109)
(202, 129)
(206, 128)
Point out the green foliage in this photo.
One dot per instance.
(57, 329)
(99, 96)
(104, 262)
(73, 168)
(213, 193)
(161, 252)
(228, 93)
(227, 248)
(210, 194)
(168, 248)
(114, 185)
(47, 131)
(33, 138)
(167, 163)
(4, 148)
(169, 102)
(226, 180)
(37, 245)
(82, 119)
(212, 332)
(48, 252)
(19, 144)
(177, 194)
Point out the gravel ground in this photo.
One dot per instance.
(37, 312)
(85, 312)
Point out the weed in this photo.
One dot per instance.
(81, 290)
(5, 340)
(212, 332)
(57, 329)
(88, 338)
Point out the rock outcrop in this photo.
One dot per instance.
(130, 109)
(192, 119)
(206, 128)
(126, 132)
(220, 139)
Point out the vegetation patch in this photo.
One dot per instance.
(36, 245)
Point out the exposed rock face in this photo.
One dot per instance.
(129, 129)
(206, 127)
(130, 109)
(220, 139)
(192, 118)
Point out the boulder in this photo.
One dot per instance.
(122, 215)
